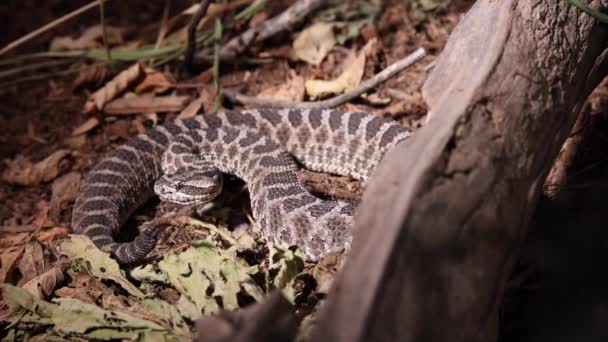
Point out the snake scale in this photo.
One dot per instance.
(257, 145)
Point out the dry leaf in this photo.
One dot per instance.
(90, 38)
(41, 215)
(352, 73)
(32, 263)
(8, 260)
(86, 126)
(23, 172)
(75, 142)
(141, 104)
(63, 191)
(351, 76)
(155, 82)
(191, 110)
(112, 89)
(292, 90)
(52, 234)
(314, 43)
(43, 285)
(91, 76)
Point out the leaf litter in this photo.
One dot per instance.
(225, 270)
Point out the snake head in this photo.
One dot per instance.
(187, 186)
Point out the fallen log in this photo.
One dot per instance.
(444, 216)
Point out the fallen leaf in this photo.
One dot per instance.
(75, 142)
(352, 73)
(64, 190)
(8, 261)
(314, 43)
(284, 264)
(75, 318)
(112, 89)
(81, 249)
(202, 274)
(191, 110)
(154, 82)
(292, 90)
(325, 270)
(52, 234)
(86, 126)
(93, 76)
(23, 172)
(89, 39)
(144, 104)
(41, 217)
(32, 263)
(44, 284)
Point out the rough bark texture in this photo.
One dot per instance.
(445, 213)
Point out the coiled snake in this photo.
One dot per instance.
(255, 145)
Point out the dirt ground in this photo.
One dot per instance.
(556, 292)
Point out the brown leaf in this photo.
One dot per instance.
(91, 77)
(154, 82)
(24, 172)
(76, 141)
(112, 89)
(292, 90)
(41, 215)
(52, 234)
(140, 104)
(63, 191)
(32, 263)
(8, 261)
(86, 126)
(191, 110)
(84, 287)
(44, 284)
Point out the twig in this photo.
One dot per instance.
(380, 77)
(104, 31)
(33, 66)
(49, 26)
(602, 17)
(191, 42)
(282, 22)
(217, 36)
(164, 25)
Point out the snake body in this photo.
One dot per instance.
(255, 145)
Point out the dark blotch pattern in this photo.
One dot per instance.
(314, 117)
(335, 120)
(271, 116)
(373, 126)
(390, 135)
(295, 117)
(291, 204)
(240, 119)
(354, 121)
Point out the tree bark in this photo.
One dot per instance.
(445, 214)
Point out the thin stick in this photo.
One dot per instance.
(191, 41)
(104, 31)
(280, 23)
(48, 26)
(33, 66)
(335, 101)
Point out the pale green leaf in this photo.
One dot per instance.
(81, 250)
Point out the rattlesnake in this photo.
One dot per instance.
(256, 145)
